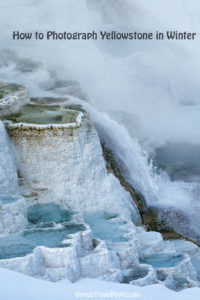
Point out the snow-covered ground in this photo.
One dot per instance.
(28, 288)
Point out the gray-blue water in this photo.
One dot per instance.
(161, 260)
(105, 227)
(7, 199)
(49, 212)
(135, 274)
(42, 231)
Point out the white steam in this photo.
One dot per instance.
(151, 80)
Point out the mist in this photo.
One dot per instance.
(155, 81)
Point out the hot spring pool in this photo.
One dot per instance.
(43, 115)
(161, 260)
(42, 231)
(49, 212)
(106, 226)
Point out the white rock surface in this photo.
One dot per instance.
(184, 268)
(14, 97)
(106, 260)
(64, 164)
(72, 262)
(8, 165)
(150, 242)
(150, 278)
(13, 214)
(185, 246)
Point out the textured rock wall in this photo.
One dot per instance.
(64, 163)
(8, 165)
(12, 98)
(13, 211)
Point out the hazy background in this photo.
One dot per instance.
(152, 79)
